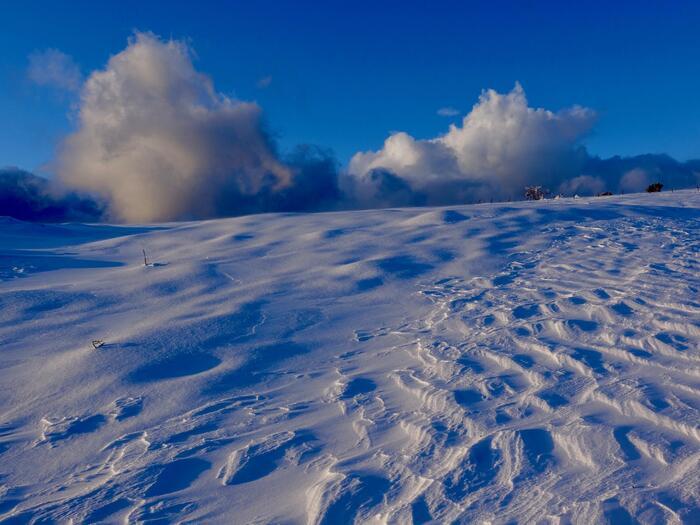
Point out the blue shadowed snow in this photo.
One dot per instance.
(425, 365)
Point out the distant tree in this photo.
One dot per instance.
(535, 193)
(654, 188)
(605, 194)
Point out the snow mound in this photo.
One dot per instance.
(521, 362)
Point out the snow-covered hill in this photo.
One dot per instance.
(529, 362)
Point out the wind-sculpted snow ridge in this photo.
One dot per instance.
(520, 363)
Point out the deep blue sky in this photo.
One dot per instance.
(345, 74)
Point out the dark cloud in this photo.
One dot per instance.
(634, 174)
(314, 187)
(28, 197)
(380, 188)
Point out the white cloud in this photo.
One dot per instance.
(264, 82)
(159, 143)
(54, 68)
(448, 111)
(635, 180)
(583, 184)
(501, 146)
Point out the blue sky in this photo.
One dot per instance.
(345, 74)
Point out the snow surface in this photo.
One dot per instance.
(528, 362)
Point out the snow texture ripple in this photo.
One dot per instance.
(505, 363)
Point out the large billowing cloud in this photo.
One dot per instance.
(158, 142)
(501, 146)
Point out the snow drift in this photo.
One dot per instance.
(491, 363)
